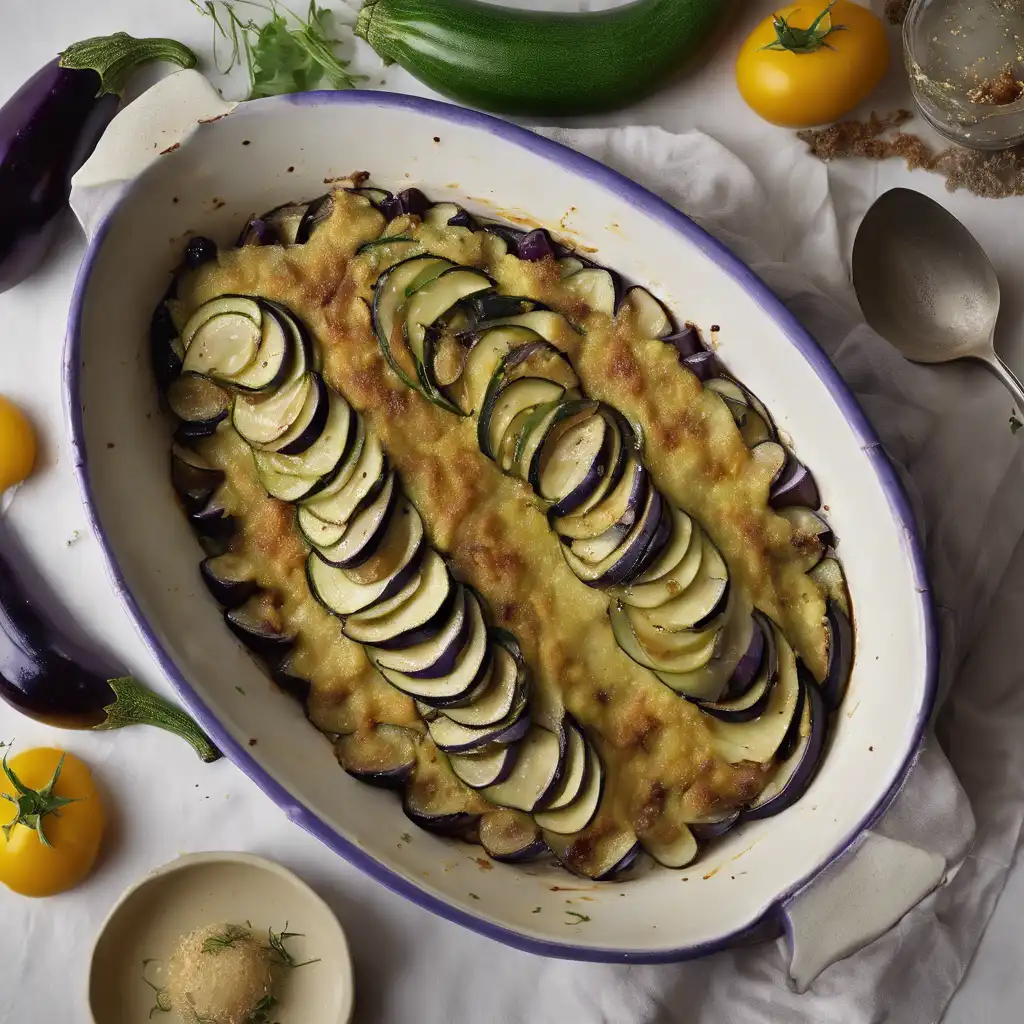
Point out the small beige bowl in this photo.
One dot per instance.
(206, 888)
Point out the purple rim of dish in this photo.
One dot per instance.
(772, 915)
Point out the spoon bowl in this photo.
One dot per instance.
(925, 284)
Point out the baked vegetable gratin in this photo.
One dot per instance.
(519, 543)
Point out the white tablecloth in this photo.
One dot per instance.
(164, 801)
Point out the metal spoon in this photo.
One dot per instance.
(925, 284)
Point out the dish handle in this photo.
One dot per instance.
(149, 128)
(854, 901)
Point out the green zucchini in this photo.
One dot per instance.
(531, 62)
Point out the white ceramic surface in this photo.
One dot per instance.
(210, 184)
(202, 889)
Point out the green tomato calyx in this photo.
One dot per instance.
(804, 40)
(33, 804)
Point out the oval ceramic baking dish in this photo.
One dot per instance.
(213, 174)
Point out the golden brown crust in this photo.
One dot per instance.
(492, 528)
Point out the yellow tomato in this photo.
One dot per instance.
(797, 78)
(17, 445)
(70, 815)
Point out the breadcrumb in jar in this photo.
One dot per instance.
(998, 91)
(219, 974)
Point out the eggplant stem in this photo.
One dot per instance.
(135, 705)
(115, 58)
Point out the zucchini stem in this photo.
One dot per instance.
(114, 58)
(364, 29)
(135, 705)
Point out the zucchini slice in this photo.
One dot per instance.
(362, 481)
(759, 739)
(579, 812)
(365, 530)
(196, 399)
(670, 847)
(262, 420)
(318, 533)
(649, 315)
(505, 682)
(701, 600)
(551, 326)
(273, 358)
(422, 659)
(595, 287)
(427, 599)
(488, 767)
(326, 454)
(222, 345)
(287, 486)
(686, 661)
(429, 303)
(502, 405)
(303, 431)
(488, 348)
(390, 295)
(676, 581)
(536, 774)
(232, 305)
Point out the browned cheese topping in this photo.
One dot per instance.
(656, 746)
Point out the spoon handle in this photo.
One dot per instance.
(1008, 377)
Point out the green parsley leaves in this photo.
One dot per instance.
(283, 54)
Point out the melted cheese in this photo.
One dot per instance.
(656, 747)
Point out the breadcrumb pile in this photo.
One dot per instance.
(990, 174)
(218, 974)
(896, 11)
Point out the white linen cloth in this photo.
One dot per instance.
(948, 427)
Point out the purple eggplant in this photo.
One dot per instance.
(39, 678)
(713, 826)
(703, 365)
(385, 757)
(794, 486)
(48, 129)
(510, 836)
(535, 245)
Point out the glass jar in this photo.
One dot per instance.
(965, 59)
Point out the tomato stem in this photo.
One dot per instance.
(33, 804)
(804, 40)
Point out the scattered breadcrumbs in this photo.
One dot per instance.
(995, 174)
(896, 11)
(999, 91)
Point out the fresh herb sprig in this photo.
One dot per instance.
(261, 1011)
(276, 948)
(286, 53)
(227, 939)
